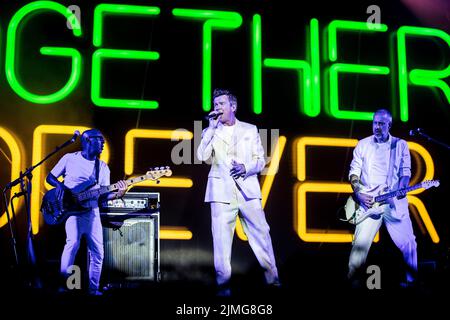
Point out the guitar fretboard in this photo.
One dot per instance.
(393, 194)
(94, 193)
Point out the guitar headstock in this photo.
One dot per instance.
(158, 172)
(429, 183)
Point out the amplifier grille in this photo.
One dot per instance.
(131, 249)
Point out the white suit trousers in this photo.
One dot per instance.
(88, 224)
(401, 232)
(223, 222)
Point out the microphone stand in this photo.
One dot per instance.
(24, 180)
(442, 144)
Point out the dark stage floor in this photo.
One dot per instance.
(309, 293)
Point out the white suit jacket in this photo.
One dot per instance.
(245, 148)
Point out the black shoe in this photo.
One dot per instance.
(223, 290)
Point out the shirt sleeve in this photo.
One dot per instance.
(205, 148)
(356, 164)
(60, 168)
(405, 160)
(105, 175)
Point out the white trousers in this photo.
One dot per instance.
(223, 222)
(401, 232)
(88, 224)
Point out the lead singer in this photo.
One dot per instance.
(237, 156)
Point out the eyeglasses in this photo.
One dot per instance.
(97, 137)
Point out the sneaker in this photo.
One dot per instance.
(275, 284)
(95, 293)
(408, 284)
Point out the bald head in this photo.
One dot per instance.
(384, 112)
(92, 141)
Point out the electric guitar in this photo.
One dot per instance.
(356, 213)
(57, 211)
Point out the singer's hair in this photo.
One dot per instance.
(384, 111)
(225, 92)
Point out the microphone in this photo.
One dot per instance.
(76, 134)
(415, 132)
(213, 115)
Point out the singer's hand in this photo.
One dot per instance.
(213, 121)
(238, 169)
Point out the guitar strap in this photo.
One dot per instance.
(97, 170)
(391, 161)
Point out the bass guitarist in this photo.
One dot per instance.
(382, 159)
(83, 170)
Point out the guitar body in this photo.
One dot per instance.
(385, 202)
(356, 213)
(56, 212)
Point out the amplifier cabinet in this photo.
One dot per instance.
(131, 248)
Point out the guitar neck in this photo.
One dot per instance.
(393, 194)
(94, 193)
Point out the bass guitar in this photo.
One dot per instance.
(355, 213)
(57, 211)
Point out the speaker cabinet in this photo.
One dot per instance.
(131, 249)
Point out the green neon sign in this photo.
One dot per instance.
(100, 55)
(214, 20)
(308, 71)
(418, 77)
(257, 64)
(338, 68)
(74, 55)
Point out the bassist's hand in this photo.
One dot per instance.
(122, 188)
(364, 199)
(60, 188)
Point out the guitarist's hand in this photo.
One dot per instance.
(364, 199)
(60, 188)
(401, 195)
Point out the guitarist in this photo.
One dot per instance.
(83, 170)
(377, 160)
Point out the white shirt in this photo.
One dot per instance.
(76, 170)
(79, 172)
(380, 162)
(371, 162)
(227, 132)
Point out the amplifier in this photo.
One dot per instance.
(133, 204)
(131, 250)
